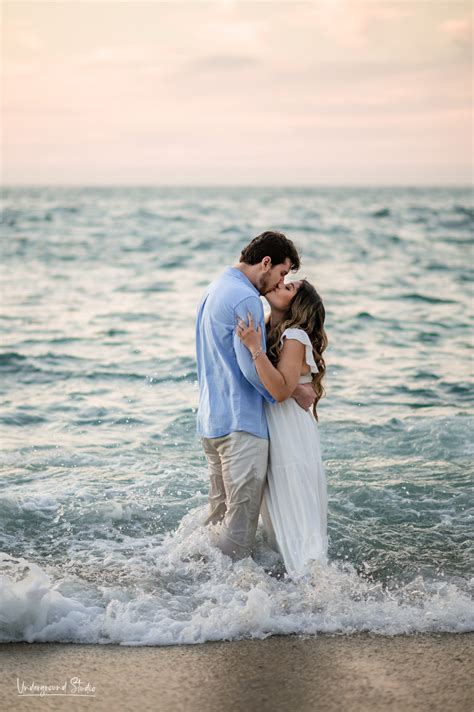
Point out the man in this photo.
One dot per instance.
(231, 417)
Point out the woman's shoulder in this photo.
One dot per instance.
(296, 334)
(301, 336)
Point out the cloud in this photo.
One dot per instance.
(224, 62)
(192, 91)
(459, 30)
(115, 56)
(29, 40)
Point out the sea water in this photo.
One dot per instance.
(104, 482)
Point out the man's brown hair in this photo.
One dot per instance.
(274, 245)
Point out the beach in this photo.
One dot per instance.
(326, 672)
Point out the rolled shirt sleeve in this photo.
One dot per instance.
(254, 306)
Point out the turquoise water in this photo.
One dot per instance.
(103, 479)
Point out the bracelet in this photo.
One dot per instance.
(256, 354)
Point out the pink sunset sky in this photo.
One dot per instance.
(277, 93)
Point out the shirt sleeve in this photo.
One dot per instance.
(244, 358)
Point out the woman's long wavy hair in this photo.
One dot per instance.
(306, 311)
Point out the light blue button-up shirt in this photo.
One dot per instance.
(231, 395)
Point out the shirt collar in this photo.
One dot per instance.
(233, 272)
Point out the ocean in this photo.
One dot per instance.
(104, 481)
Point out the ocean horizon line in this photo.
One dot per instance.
(352, 186)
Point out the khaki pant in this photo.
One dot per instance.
(237, 470)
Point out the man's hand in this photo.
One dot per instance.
(304, 395)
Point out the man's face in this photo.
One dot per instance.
(274, 276)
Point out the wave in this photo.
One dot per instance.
(183, 590)
(417, 297)
(20, 418)
(39, 369)
(10, 358)
(464, 210)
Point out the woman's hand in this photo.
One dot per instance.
(249, 337)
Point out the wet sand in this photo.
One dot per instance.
(328, 673)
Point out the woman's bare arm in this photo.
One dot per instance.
(280, 382)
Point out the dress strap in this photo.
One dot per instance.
(301, 336)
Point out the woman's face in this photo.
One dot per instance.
(280, 297)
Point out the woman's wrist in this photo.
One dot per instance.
(256, 354)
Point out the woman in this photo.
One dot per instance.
(294, 506)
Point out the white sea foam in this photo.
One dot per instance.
(184, 590)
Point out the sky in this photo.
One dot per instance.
(328, 92)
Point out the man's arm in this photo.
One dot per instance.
(304, 395)
(244, 358)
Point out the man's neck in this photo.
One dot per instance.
(248, 271)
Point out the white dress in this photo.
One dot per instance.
(294, 505)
